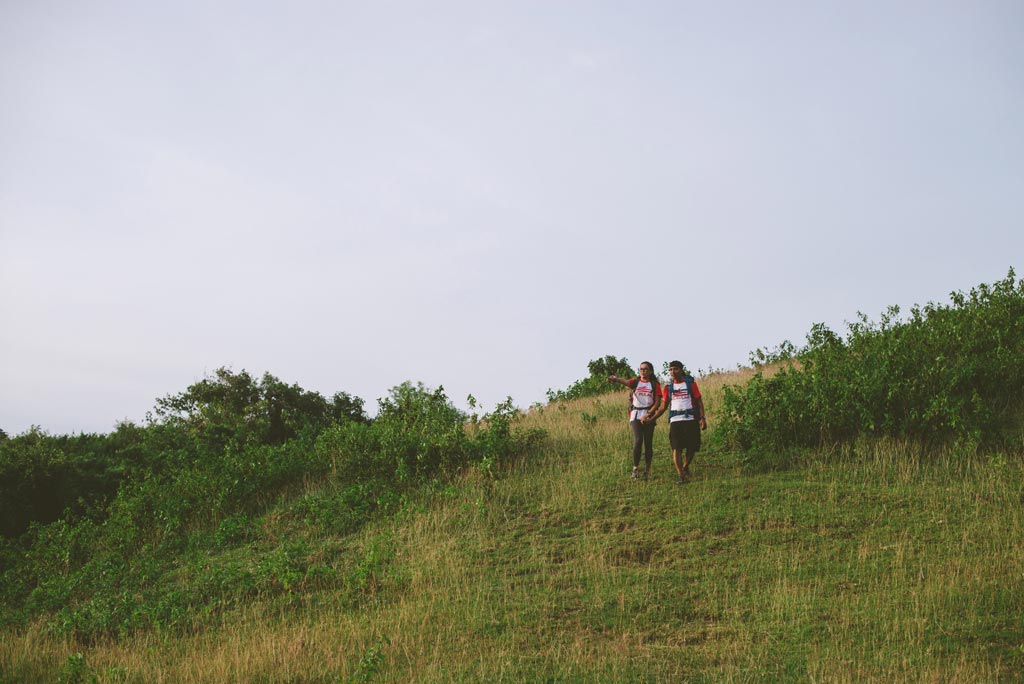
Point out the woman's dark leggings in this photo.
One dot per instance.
(643, 437)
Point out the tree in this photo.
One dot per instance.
(232, 405)
(597, 382)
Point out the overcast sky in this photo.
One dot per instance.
(481, 195)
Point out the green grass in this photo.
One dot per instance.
(877, 566)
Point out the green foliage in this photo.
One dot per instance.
(736, 577)
(784, 351)
(44, 477)
(228, 422)
(497, 443)
(420, 433)
(370, 663)
(75, 670)
(597, 382)
(947, 375)
(235, 407)
(223, 468)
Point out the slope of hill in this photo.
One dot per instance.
(871, 565)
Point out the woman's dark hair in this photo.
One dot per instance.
(650, 365)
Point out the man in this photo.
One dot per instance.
(686, 418)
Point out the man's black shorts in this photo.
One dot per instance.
(684, 435)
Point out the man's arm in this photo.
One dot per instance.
(657, 400)
(659, 406)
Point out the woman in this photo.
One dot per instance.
(645, 397)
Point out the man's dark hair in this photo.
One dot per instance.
(676, 364)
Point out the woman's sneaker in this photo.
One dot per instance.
(635, 475)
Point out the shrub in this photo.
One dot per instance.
(45, 477)
(419, 432)
(597, 382)
(234, 406)
(192, 483)
(945, 375)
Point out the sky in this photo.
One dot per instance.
(481, 195)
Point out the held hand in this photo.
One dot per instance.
(612, 378)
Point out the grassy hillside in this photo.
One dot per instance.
(872, 564)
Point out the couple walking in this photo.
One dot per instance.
(681, 398)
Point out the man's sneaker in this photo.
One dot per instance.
(635, 475)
